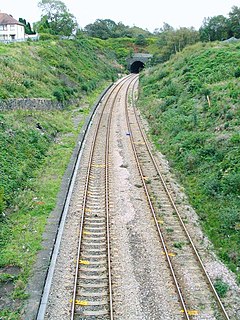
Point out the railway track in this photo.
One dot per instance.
(195, 289)
(92, 295)
(184, 290)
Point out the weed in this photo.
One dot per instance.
(221, 287)
(178, 245)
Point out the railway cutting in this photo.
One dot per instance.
(126, 251)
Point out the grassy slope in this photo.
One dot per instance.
(43, 68)
(35, 146)
(202, 141)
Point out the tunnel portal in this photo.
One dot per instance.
(138, 61)
(136, 66)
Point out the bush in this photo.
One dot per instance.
(48, 36)
(231, 183)
(230, 219)
(221, 287)
(237, 73)
(28, 83)
(59, 94)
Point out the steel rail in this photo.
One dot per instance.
(154, 213)
(120, 84)
(177, 212)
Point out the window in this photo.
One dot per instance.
(12, 27)
(3, 27)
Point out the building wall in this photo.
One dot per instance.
(11, 32)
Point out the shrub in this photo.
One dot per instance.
(28, 83)
(48, 36)
(59, 94)
(237, 73)
(231, 183)
(221, 287)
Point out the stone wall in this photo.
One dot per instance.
(30, 104)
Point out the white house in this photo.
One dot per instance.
(10, 28)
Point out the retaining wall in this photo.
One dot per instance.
(31, 104)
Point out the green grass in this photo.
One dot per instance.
(33, 162)
(35, 146)
(201, 140)
(59, 70)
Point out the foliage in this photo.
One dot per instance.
(27, 26)
(56, 18)
(221, 287)
(234, 21)
(220, 27)
(54, 69)
(1, 200)
(192, 105)
(35, 148)
(107, 28)
(171, 41)
(141, 40)
(215, 28)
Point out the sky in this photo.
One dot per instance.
(148, 15)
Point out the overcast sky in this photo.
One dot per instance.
(149, 14)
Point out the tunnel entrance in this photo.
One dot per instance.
(136, 67)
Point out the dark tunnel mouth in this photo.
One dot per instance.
(136, 66)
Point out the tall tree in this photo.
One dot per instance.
(101, 28)
(56, 18)
(234, 21)
(214, 28)
(27, 26)
(171, 41)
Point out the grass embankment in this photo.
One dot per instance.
(54, 69)
(192, 103)
(36, 146)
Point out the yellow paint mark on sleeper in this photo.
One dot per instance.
(86, 232)
(81, 302)
(170, 254)
(160, 221)
(84, 262)
(88, 210)
(191, 312)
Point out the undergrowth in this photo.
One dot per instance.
(35, 149)
(192, 104)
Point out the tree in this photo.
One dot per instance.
(234, 21)
(171, 41)
(141, 40)
(107, 28)
(27, 26)
(102, 29)
(215, 28)
(56, 18)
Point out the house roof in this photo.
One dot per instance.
(7, 19)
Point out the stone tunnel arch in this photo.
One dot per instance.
(137, 66)
(138, 61)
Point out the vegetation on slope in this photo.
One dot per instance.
(54, 69)
(192, 105)
(36, 146)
